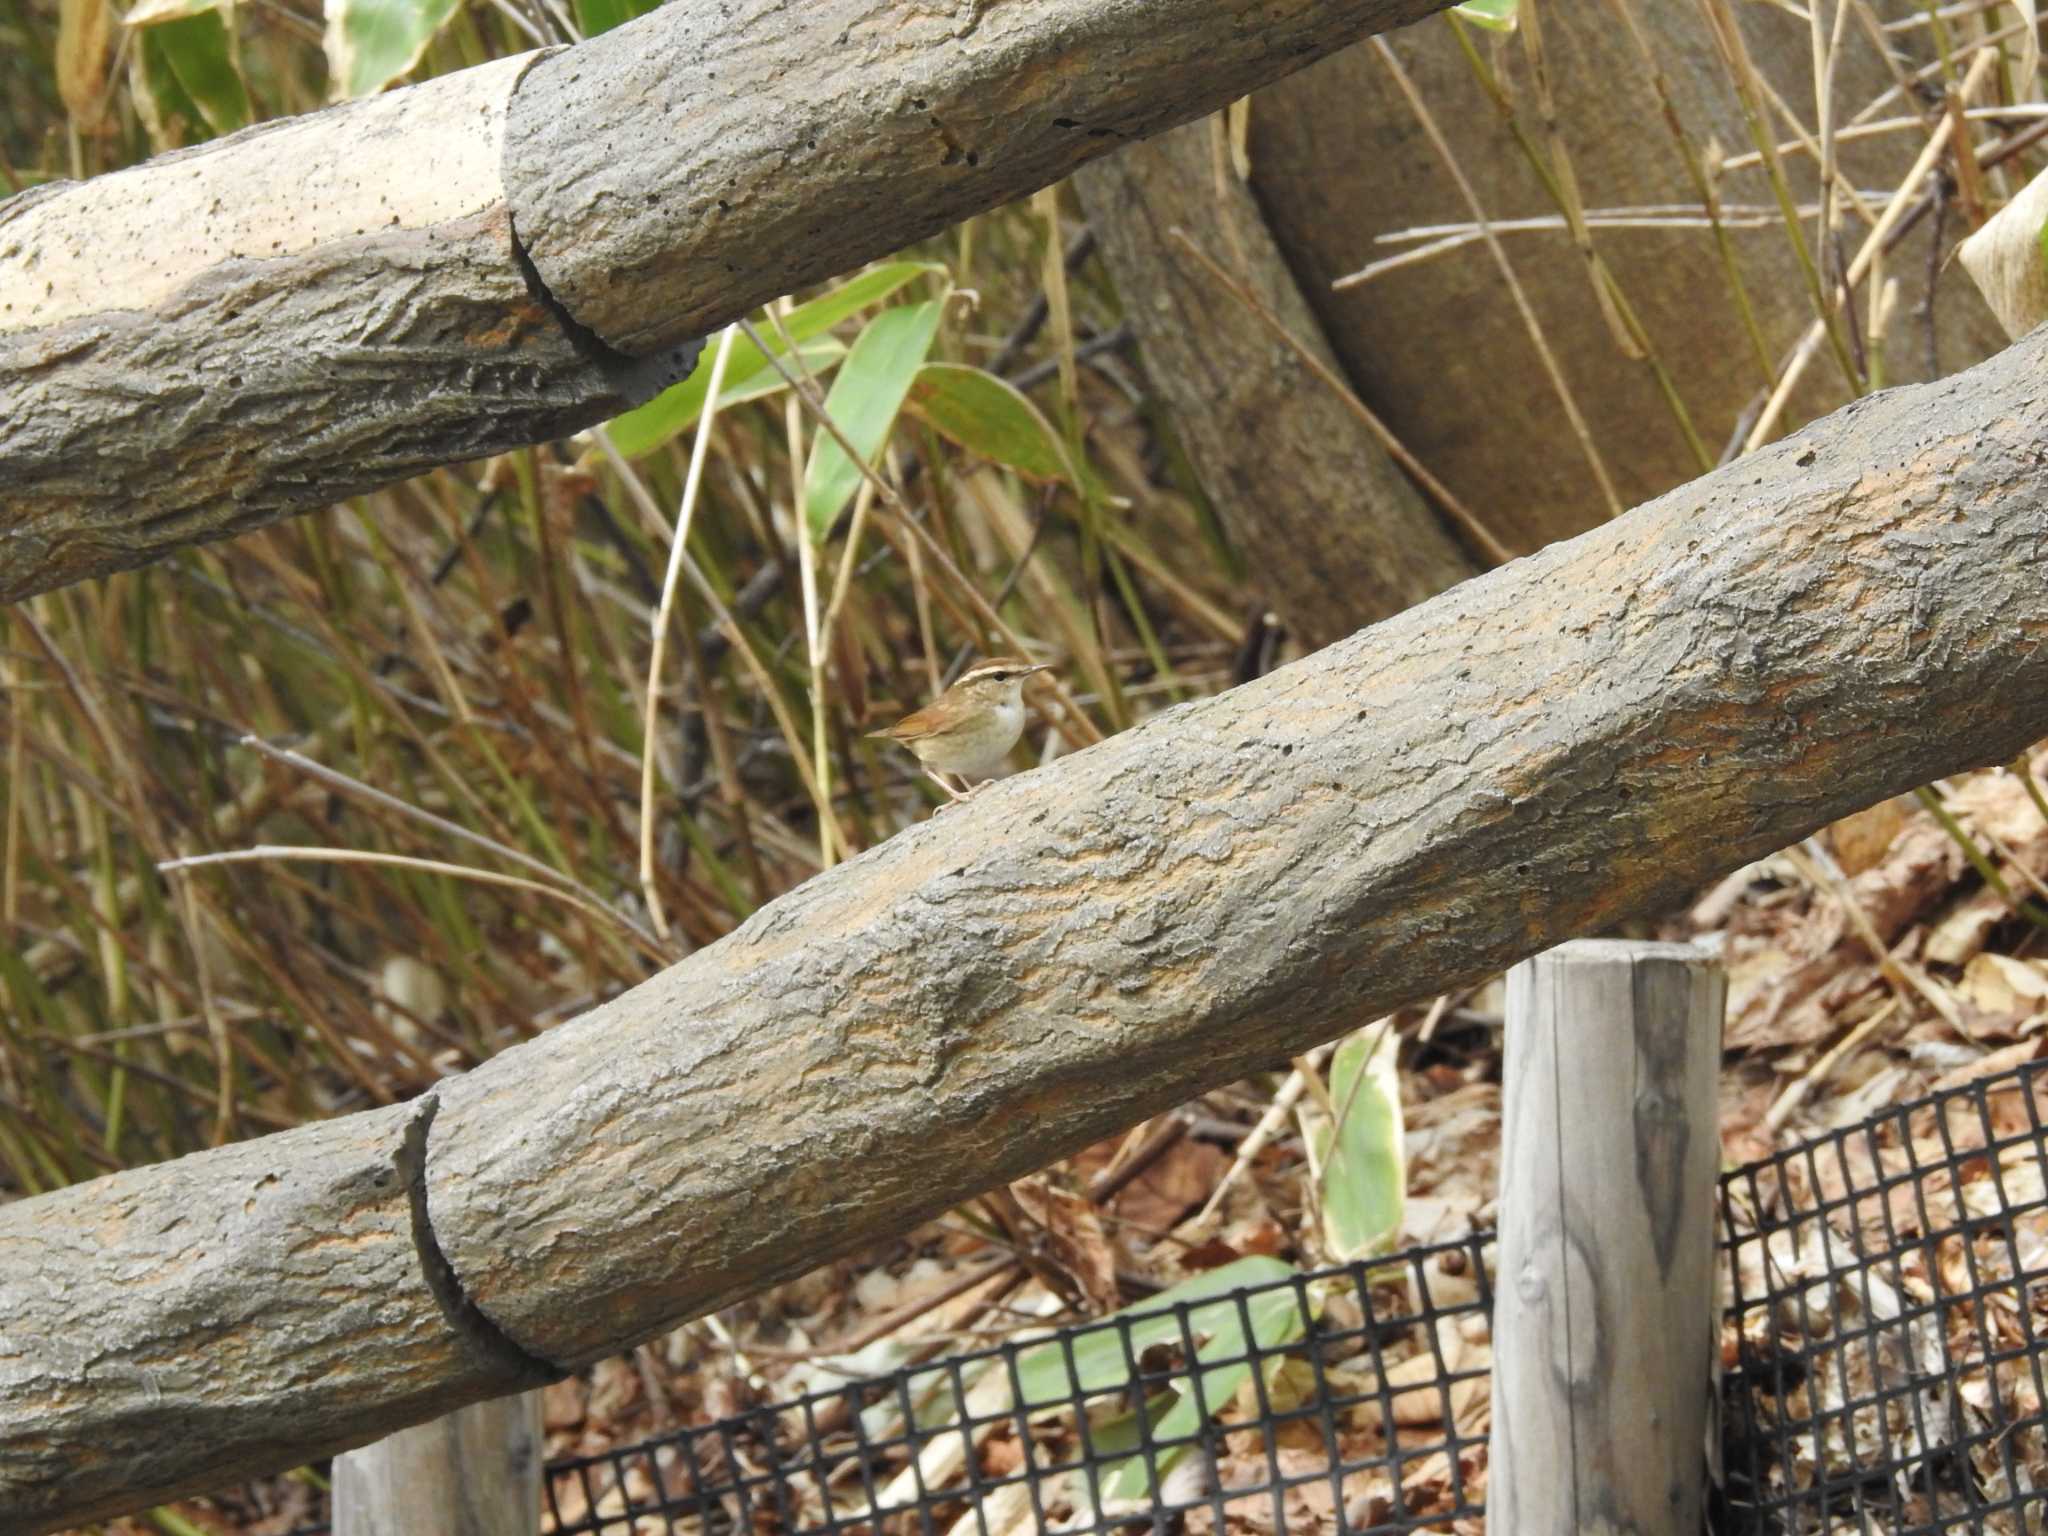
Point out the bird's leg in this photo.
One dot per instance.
(952, 795)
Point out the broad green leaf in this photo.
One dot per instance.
(1116, 1440)
(595, 16)
(864, 401)
(1177, 1423)
(1218, 1332)
(647, 427)
(1364, 1162)
(370, 43)
(197, 52)
(747, 377)
(1099, 1360)
(991, 418)
(167, 113)
(1497, 15)
(851, 296)
(819, 357)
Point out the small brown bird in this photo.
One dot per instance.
(969, 729)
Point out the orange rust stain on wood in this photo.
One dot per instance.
(519, 321)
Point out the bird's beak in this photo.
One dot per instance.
(1043, 666)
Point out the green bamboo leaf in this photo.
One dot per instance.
(197, 52)
(1119, 1435)
(149, 13)
(991, 419)
(1100, 1364)
(370, 43)
(168, 115)
(1364, 1161)
(648, 427)
(676, 409)
(1180, 1421)
(819, 357)
(1276, 1319)
(864, 401)
(595, 16)
(1494, 15)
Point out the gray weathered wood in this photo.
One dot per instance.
(474, 1472)
(267, 1297)
(273, 321)
(1585, 734)
(220, 337)
(678, 171)
(1603, 1323)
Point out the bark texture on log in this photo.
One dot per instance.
(1335, 533)
(273, 321)
(518, 251)
(1578, 737)
(168, 1328)
(658, 202)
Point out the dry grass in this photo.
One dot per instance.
(463, 658)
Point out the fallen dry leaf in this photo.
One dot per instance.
(1860, 841)
(1068, 1233)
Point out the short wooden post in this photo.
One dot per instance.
(1603, 1315)
(474, 1472)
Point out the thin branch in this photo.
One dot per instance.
(282, 853)
(677, 556)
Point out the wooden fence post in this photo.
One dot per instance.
(1603, 1315)
(474, 1472)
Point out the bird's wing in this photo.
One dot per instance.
(910, 727)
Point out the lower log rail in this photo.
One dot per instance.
(1576, 738)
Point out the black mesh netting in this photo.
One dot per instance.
(1885, 1289)
(1886, 1303)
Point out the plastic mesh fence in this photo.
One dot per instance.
(1887, 1292)
(1118, 1425)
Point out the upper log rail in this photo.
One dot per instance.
(1579, 737)
(318, 306)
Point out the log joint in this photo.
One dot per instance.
(458, 1307)
(637, 379)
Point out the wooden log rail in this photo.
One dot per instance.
(318, 306)
(1579, 737)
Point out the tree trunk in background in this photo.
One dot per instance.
(1439, 350)
(1335, 534)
